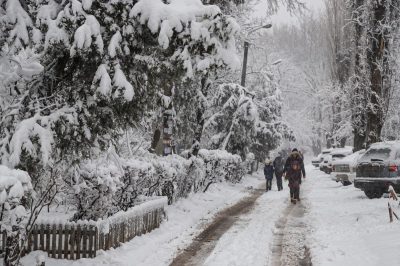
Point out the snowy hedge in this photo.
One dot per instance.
(15, 187)
(112, 184)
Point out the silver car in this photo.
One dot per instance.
(378, 168)
(344, 170)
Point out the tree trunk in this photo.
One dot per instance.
(205, 84)
(379, 45)
(168, 122)
(358, 99)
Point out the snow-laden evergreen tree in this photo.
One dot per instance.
(98, 58)
(80, 74)
(271, 130)
(243, 121)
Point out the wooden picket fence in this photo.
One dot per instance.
(83, 239)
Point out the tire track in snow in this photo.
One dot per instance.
(289, 248)
(206, 241)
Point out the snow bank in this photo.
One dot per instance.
(347, 228)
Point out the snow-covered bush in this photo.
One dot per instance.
(221, 166)
(15, 188)
(137, 180)
(95, 185)
(111, 184)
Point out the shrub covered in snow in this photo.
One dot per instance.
(111, 184)
(221, 166)
(15, 187)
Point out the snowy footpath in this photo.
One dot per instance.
(332, 225)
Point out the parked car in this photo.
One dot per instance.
(344, 170)
(317, 160)
(323, 166)
(324, 155)
(335, 154)
(378, 168)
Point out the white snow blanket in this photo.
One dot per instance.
(348, 228)
(343, 227)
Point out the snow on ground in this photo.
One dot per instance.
(186, 218)
(342, 227)
(248, 242)
(347, 228)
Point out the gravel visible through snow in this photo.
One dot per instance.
(289, 246)
(290, 237)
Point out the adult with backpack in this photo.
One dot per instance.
(279, 168)
(293, 172)
(268, 173)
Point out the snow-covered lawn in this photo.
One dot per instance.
(347, 228)
(186, 218)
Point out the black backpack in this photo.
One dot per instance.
(278, 163)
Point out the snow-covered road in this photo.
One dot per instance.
(333, 225)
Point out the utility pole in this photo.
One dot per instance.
(246, 51)
(244, 69)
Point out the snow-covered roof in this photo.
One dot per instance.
(327, 150)
(346, 150)
(386, 144)
(350, 159)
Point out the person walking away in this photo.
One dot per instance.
(268, 173)
(279, 167)
(293, 172)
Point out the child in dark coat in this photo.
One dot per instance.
(268, 173)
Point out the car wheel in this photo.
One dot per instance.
(373, 194)
(346, 183)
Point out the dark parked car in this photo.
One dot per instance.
(378, 168)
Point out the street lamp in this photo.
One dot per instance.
(246, 50)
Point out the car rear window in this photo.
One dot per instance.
(338, 156)
(377, 154)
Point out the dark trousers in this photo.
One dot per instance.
(295, 192)
(269, 184)
(279, 181)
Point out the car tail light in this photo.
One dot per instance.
(392, 168)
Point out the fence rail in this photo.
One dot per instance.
(83, 239)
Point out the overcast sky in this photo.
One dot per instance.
(283, 16)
